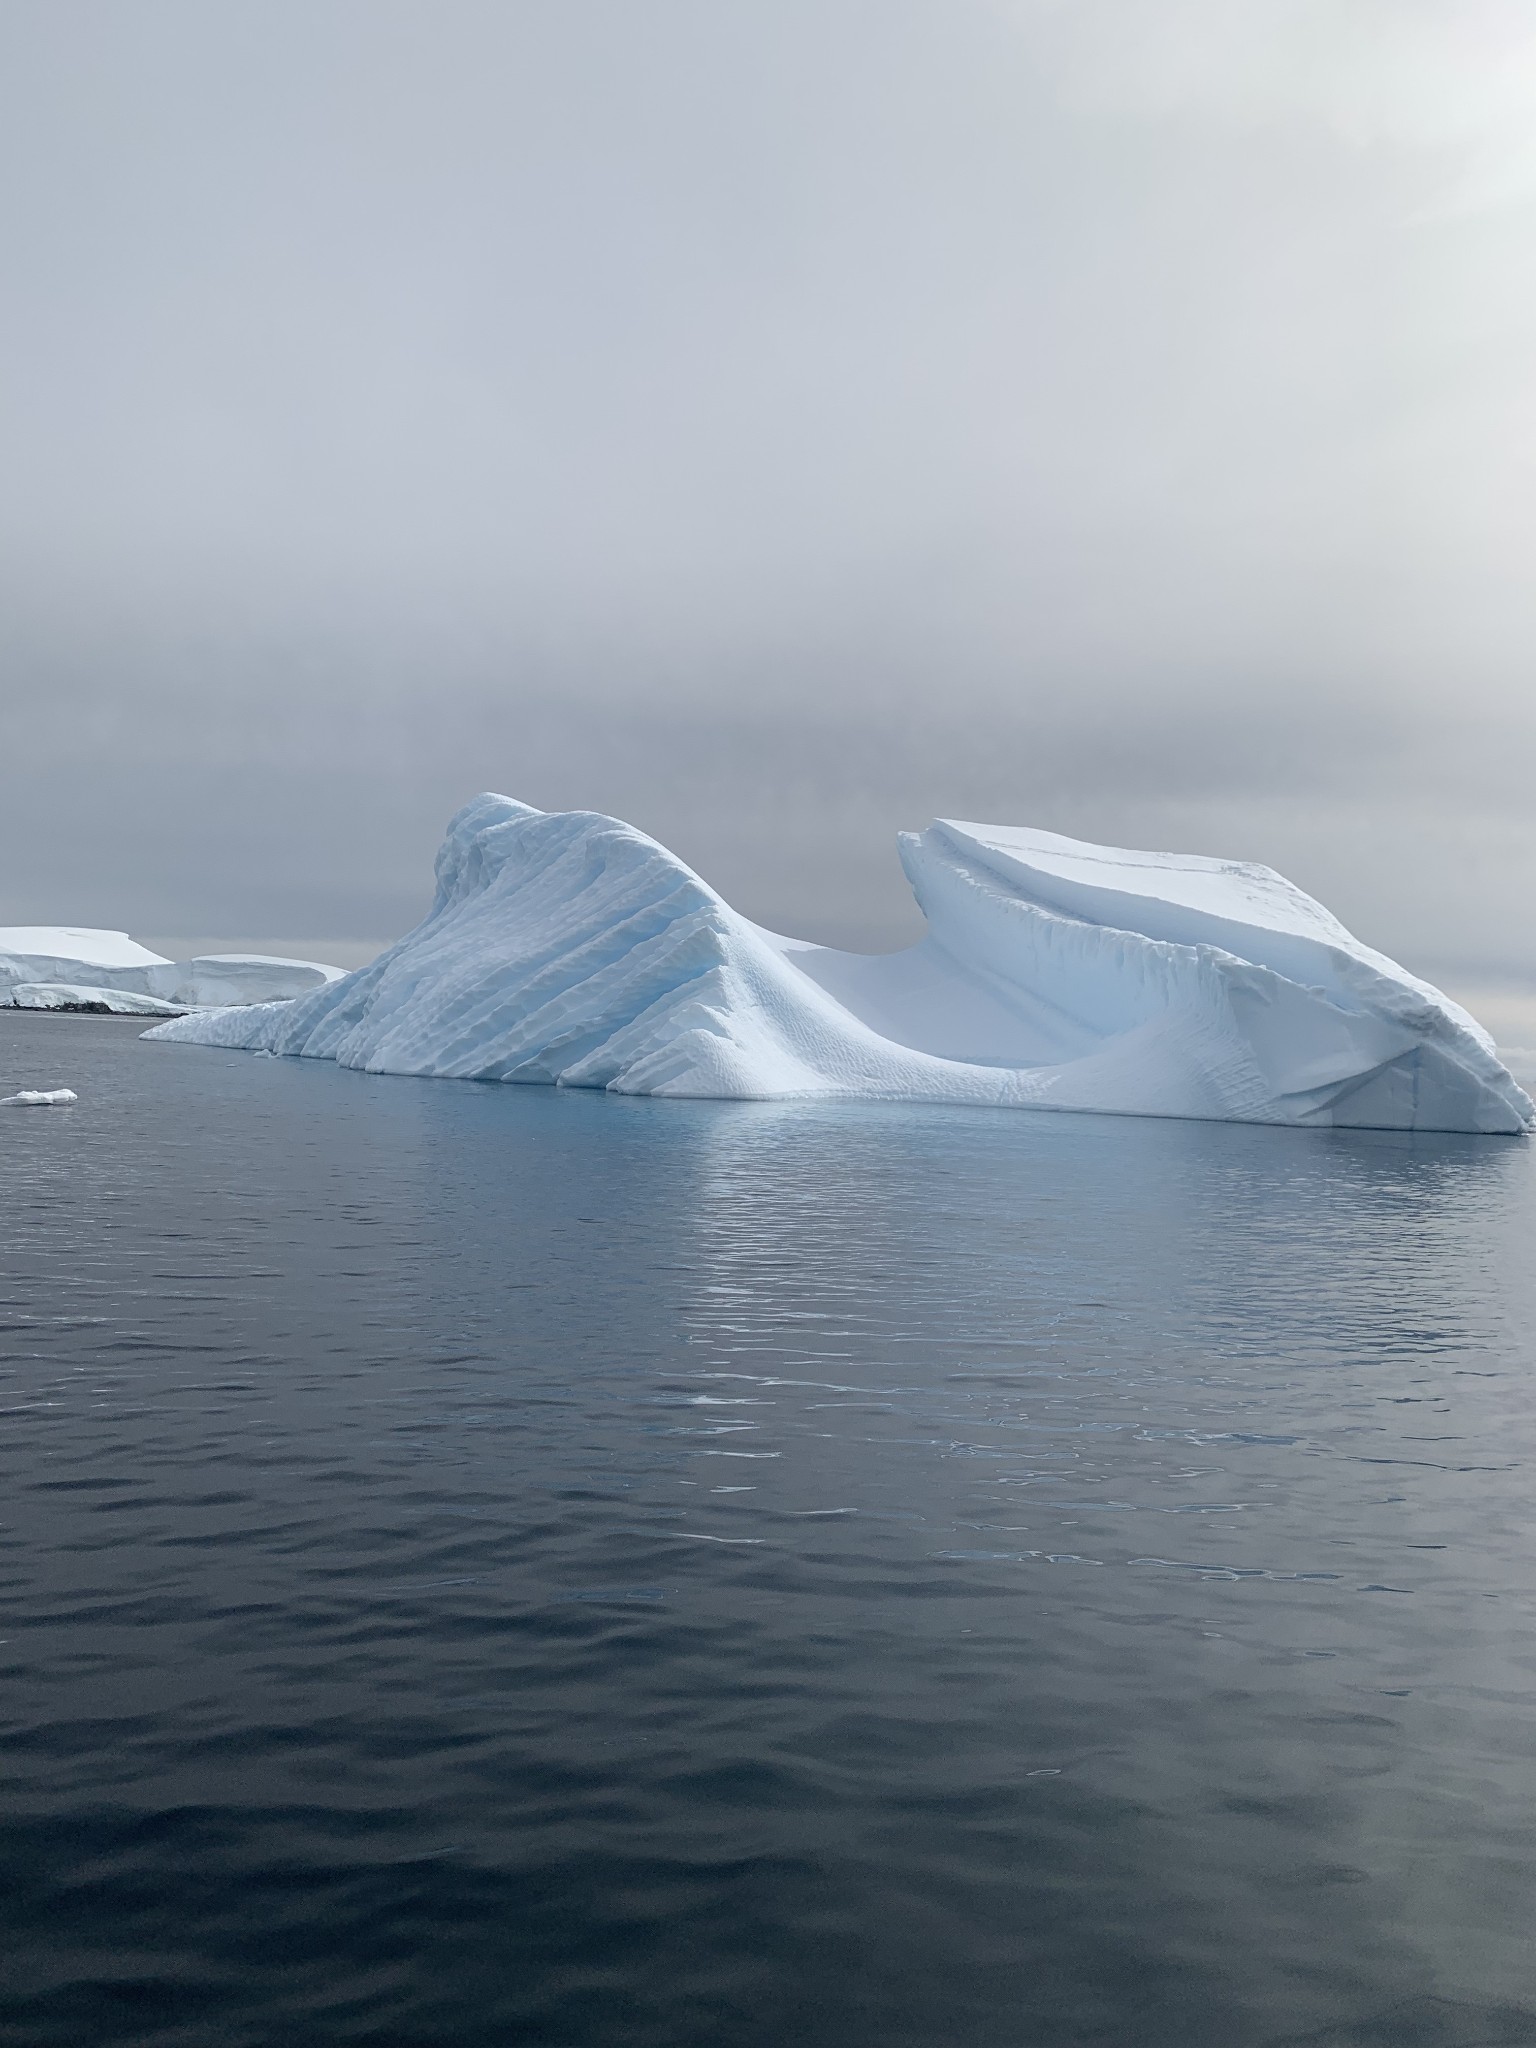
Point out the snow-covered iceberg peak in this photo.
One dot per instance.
(569, 948)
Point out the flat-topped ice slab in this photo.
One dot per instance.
(73, 956)
(81, 943)
(569, 948)
(1186, 898)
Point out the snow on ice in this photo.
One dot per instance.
(74, 995)
(568, 948)
(62, 967)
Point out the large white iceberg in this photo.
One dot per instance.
(568, 948)
(60, 967)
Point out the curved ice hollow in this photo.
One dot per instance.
(568, 948)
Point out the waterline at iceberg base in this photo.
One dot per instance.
(568, 948)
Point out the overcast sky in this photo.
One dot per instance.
(774, 423)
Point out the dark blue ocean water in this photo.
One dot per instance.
(487, 1565)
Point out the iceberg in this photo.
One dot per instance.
(568, 948)
(74, 995)
(69, 967)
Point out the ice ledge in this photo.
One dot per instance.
(78, 996)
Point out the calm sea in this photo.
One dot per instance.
(488, 1565)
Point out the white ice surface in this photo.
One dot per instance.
(65, 956)
(39, 1098)
(66, 995)
(569, 948)
(76, 942)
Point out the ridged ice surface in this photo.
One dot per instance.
(569, 948)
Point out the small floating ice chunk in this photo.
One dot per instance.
(39, 1098)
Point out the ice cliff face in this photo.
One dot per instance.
(569, 948)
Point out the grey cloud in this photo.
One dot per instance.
(777, 424)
